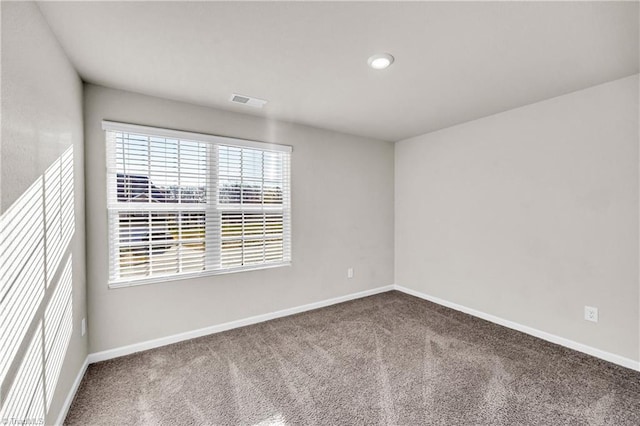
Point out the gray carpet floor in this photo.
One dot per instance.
(387, 359)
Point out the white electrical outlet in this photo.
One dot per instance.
(591, 313)
(349, 272)
(84, 326)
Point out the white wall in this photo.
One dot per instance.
(529, 215)
(41, 125)
(342, 215)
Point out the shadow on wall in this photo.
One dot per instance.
(36, 309)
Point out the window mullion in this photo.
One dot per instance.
(179, 213)
(242, 214)
(264, 215)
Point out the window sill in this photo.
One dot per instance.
(179, 277)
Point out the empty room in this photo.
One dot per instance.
(319, 213)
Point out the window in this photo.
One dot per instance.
(185, 204)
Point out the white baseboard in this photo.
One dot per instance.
(72, 393)
(163, 341)
(589, 350)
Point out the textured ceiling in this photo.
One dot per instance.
(455, 62)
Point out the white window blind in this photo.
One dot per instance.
(183, 204)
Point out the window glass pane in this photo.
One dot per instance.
(158, 243)
(249, 176)
(159, 170)
(249, 238)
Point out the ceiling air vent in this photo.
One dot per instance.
(247, 100)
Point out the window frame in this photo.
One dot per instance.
(213, 205)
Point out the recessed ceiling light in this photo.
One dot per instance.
(380, 61)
